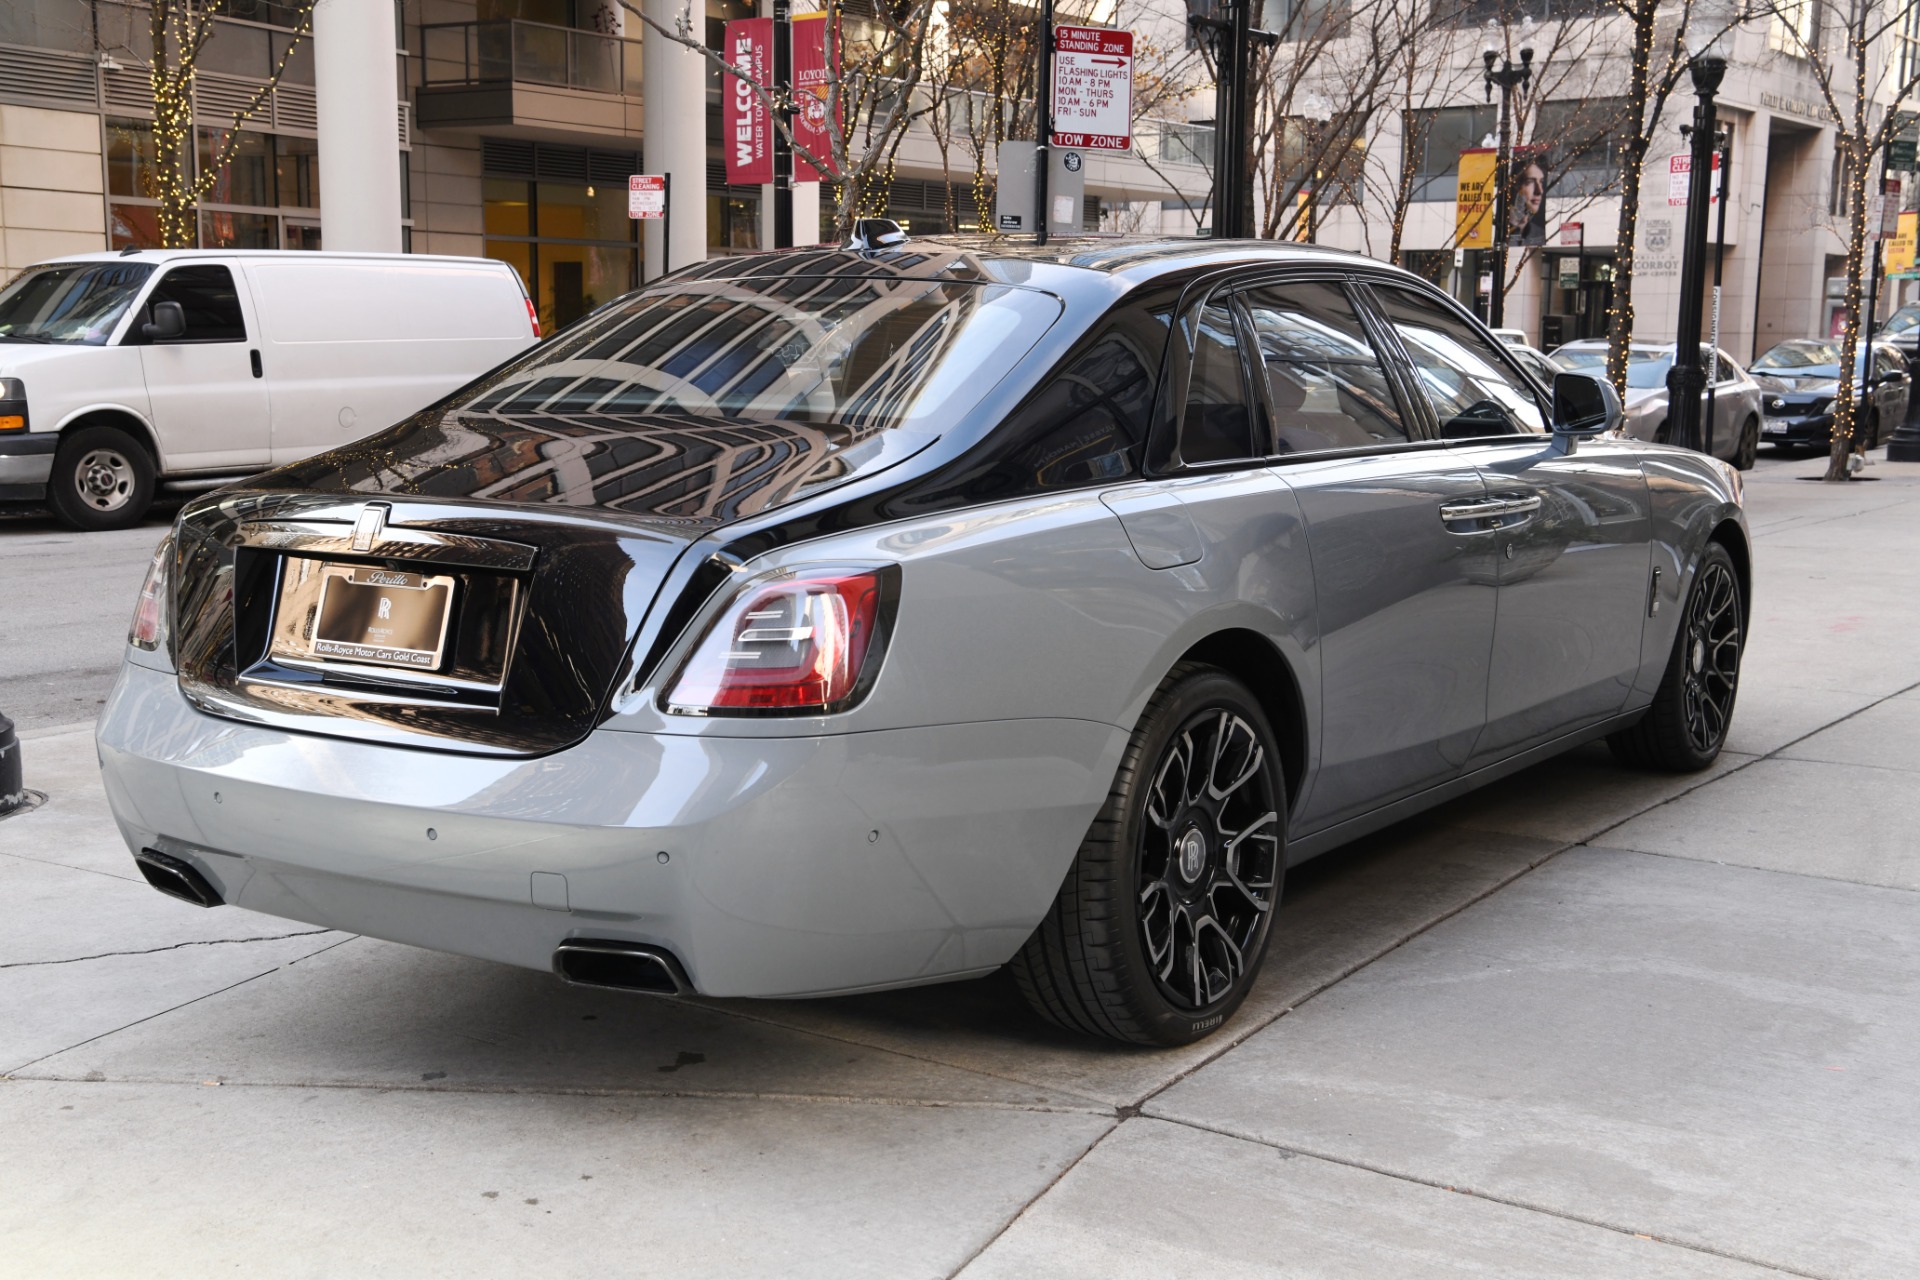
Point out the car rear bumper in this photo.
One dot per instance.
(1795, 430)
(766, 866)
(26, 462)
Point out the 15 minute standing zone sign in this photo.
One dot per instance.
(1092, 88)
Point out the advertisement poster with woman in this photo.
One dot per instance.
(1527, 197)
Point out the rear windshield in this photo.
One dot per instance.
(861, 353)
(70, 303)
(1901, 321)
(1802, 355)
(1645, 369)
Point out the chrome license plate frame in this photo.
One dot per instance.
(336, 613)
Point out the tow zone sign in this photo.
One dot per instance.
(1092, 88)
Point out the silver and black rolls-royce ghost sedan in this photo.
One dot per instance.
(830, 620)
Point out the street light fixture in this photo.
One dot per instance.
(1709, 42)
(1509, 78)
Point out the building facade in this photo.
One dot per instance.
(515, 125)
(1784, 256)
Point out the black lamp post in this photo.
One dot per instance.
(1509, 78)
(1226, 27)
(1687, 380)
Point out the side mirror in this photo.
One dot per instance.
(1583, 405)
(1891, 375)
(168, 322)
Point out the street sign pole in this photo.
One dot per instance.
(1719, 263)
(782, 149)
(1044, 116)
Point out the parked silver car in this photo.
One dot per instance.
(1736, 417)
(829, 620)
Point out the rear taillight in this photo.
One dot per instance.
(533, 317)
(149, 630)
(796, 644)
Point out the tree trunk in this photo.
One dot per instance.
(1846, 407)
(1627, 235)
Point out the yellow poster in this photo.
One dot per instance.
(1900, 247)
(1473, 206)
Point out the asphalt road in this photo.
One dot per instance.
(65, 601)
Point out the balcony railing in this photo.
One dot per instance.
(474, 53)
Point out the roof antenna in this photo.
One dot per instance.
(876, 233)
(130, 250)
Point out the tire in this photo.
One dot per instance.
(1749, 450)
(102, 479)
(1871, 436)
(1160, 927)
(1686, 725)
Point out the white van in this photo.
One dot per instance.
(122, 373)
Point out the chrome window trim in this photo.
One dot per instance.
(330, 538)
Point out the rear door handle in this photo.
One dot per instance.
(254, 356)
(1484, 515)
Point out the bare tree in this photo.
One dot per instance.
(1847, 48)
(178, 32)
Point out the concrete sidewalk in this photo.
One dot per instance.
(1584, 1023)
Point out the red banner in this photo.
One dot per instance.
(811, 79)
(746, 130)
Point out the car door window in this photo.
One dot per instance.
(1217, 425)
(207, 298)
(1325, 384)
(1474, 391)
(1728, 370)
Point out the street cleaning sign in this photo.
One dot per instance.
(1680, 179)
(1093, 88)
(647, 195)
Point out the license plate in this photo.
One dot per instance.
(1774, 429)
(364, 613)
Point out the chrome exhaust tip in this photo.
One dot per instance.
(620, 966)
(177, 878)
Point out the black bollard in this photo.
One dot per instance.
(13, 787)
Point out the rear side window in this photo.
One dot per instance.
(1216, 425)
(1087, 425)
(207, 296)
(1473, 390)
(1325, 384)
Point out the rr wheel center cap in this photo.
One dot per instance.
(1190, 853)
(1699, 653)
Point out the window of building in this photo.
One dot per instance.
(1325, 157)
(1794, 27)
(1513, 13)
(262, 179)
(1908, 36)
(571, 242)
(1438, 136)
(1586, 144)
(1308, 19)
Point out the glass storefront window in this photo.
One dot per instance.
(130, 157)
(133, 226)
(572, 244)
(296, 167)
(567, 211)
(247, 176)
(508, 207)
(303, 235)
(223, 230)
(733, 223)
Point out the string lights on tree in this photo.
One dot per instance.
(176, 181)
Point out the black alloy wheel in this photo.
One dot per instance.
(1686, 725)
(1161, 924)
(1749, 451)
